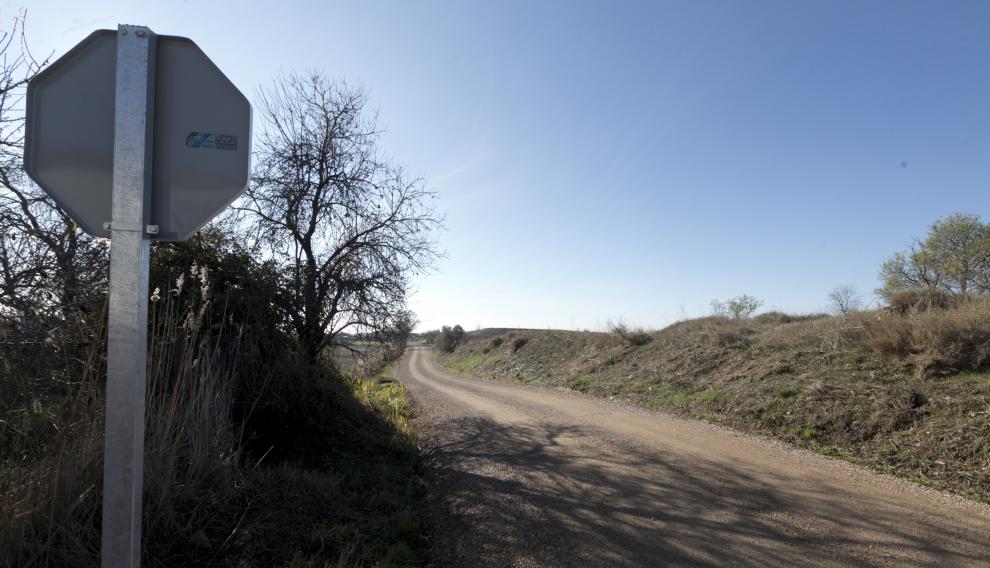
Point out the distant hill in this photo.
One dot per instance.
(488, 332)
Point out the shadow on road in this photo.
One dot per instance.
(543, 495)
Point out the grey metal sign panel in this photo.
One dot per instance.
(202, 135)
(69, 131)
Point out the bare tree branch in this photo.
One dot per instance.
(347, 227)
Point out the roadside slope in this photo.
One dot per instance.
(523, 476)
(809, 381)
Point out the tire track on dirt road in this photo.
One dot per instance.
(523, 476)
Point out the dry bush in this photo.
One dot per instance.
(821, 331)
(781, 317)
(518, 343)
(936, 341)
(843, 331)
(51, 410)
(49, 510)
(495, 343)
(368, 360)
(920, 300)
(725, 332)
(712, 330)
(633, 336)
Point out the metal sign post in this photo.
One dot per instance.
(137, 136)
(127, 332)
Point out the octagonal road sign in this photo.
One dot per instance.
(200, 156)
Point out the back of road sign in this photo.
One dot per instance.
(202, 135)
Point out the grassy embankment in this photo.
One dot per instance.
(252, 458)
(906, 394)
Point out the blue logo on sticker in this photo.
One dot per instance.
(199, 140)
(210, 140)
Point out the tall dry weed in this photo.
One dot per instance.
(937, 341)
(50, 503)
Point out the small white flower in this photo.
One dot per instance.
(178, 283)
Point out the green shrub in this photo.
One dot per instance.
(711, 395)
(787, 392)
(448, 338)
(581, 383)
(740, 307)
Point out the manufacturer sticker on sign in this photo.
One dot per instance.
(210, 140)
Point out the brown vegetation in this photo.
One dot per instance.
(935, 334)
(907, 393)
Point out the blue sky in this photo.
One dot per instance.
(606, 160)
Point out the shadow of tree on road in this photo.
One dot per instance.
(552, 495)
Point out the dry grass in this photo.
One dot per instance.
(920, 300)
(937, 341)
(907, 394)
(634, 336)
(52, 498)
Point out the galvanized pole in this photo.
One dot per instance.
(123, 466)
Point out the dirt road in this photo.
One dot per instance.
(521, 476)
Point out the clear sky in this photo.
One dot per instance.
(604, 160)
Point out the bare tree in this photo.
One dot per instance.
(844, 299)
(347, 226)
(48, 266)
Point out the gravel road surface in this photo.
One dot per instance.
(524, 476)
